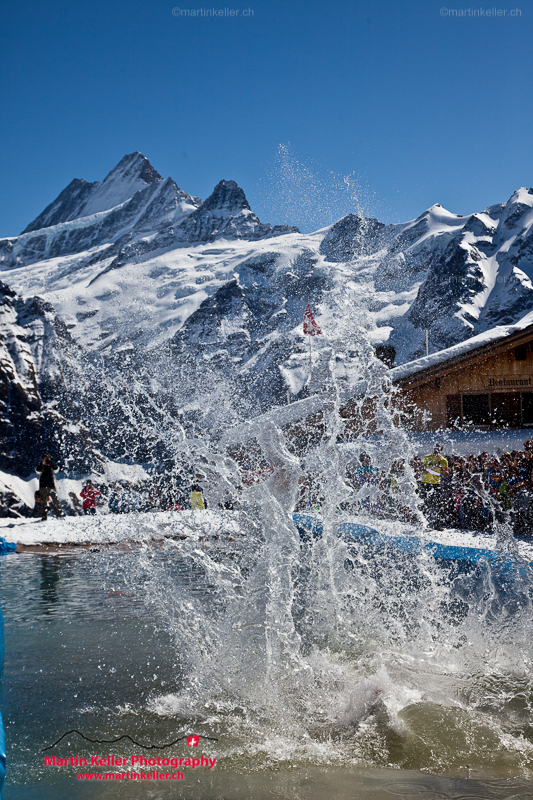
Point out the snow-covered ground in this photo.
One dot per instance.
(220, 530)
(154, 528)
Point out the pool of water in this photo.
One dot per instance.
(85, 650)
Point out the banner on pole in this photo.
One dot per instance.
(310, 326)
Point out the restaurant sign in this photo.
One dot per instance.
(508, 382)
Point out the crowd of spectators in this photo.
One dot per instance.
(468, 493)
(160, 494)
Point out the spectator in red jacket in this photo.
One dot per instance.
(90, 495)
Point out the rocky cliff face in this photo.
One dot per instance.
(37, 379)
(20, 401)
(244, 333)
(226, 215)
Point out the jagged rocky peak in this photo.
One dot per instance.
(81, 199)
(133, 172)
(351, 236)
(227, 198)
(227, 214)
(135, 165)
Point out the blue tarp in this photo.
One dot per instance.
(7, 547)
(309, 526)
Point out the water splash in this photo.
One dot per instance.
(327, 652)
(301, 193)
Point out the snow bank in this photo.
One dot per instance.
(126, 528)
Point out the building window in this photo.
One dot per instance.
(505, 410)
(453, 410)
(527, 409)
(520, 353)
(476, 409)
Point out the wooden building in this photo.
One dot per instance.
(485, 382)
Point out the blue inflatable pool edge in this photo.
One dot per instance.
(311, 527)
(5, 547)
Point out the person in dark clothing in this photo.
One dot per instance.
(37, 504)
(172, 499)
(47, 485)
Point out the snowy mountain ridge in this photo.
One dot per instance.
(132, 202)
(81, 199)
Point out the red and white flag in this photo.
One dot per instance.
(310, 325)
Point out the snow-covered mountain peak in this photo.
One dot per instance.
(227, 200)
(132, 173)
(83, 199)
(518, 210)
(439, 217)
(480, 225)
(132, 212)
(133, 166)
(522, 196)
(449, 274)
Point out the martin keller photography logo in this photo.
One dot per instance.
(137, 766)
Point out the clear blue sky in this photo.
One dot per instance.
(424, 108)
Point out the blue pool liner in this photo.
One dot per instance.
(7, 547)
(311, 527)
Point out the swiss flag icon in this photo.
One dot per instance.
(192, 741)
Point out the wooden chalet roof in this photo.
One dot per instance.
(486, 344)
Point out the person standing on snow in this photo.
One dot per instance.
(47, 486)
(197, 499)
(434, 464)
(90, 495)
